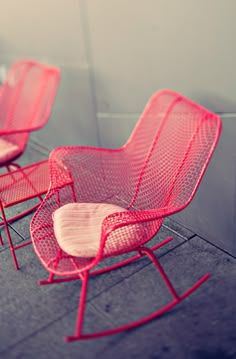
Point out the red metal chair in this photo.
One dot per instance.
(106, 202)
(26, 100)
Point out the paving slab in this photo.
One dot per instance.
(201, 326)
(32, 307)
(16, 238)
(47, 342)
(19, 231)
(177, 228)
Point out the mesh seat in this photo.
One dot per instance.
(26, 100)
(155, 174)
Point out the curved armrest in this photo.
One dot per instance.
(122, 219)
(60, 175)
(129, 230)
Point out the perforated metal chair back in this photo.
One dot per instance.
(26, 99)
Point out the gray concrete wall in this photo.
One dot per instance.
(52, 31)
(113, 55)
(212, 213)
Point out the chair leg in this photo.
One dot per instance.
(5, 222)
(131, 259)
(14, 165)
(22, 214)
(81, 307)
(13, 248)
(168, 283)
(176, 299)
(154, 259)
(9, 237)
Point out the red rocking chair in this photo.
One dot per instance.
(107, 202)
(26, 100)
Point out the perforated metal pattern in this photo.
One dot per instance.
(24, 184)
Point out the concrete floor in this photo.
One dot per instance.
(34, 319)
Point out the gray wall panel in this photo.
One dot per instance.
(52, 31)
(73, 117)
(141, 46)
(212, 213)
(46, 29)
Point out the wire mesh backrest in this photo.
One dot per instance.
(169, 151)
(26, 99)
(160, 165)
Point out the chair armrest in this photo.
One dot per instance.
(60, 175)
(125, 231)
(118, 220)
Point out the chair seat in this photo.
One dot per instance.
(25, 183)
(77, 228)
(8, 151)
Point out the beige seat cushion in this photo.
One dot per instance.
(77, 227)
(8, 151)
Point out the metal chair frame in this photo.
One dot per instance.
(154, 175)
(26, 100)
